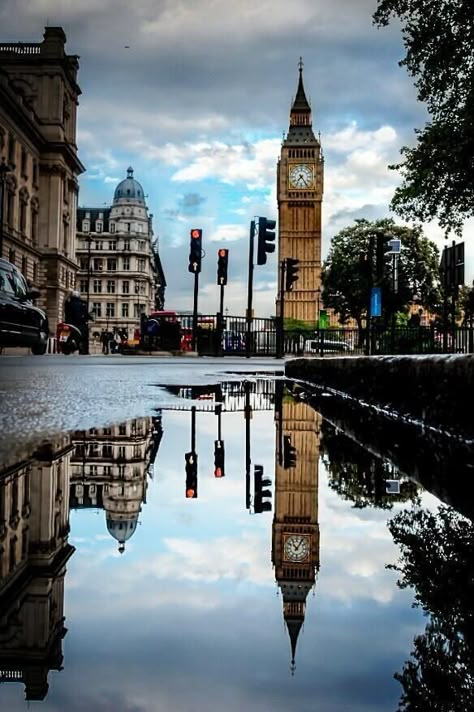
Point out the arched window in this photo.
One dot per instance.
(11, 185)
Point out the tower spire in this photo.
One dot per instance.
(300, 107)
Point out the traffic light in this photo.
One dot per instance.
(291, 274)
(191, 475)
(195, 251)
(222, 263)
(261, 496)
(219, 458)
(382, 247)
(266, 239)
(289, 453)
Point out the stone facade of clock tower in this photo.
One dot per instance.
(295, 530)
(300, 192)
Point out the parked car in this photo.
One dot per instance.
(21, 322)
(327, 346)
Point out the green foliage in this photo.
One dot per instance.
(439, 171)
(356, 475)
(437, 551)
(345, 276)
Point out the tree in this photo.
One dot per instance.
(439, 171)
(357, 475)
(437, 551)
(345, 273)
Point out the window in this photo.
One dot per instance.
(7, 285)
(83, 264)
(35, 272)
(11, 256)
(112, 227)
(107, 451)
(141, 245)
(24, 162)
(11, 149)
(35, 173)
(122, 429)
(110, 309)
(141, 264)
(98, 226)
(85, 226)
(34, 222)
(88, 215)
(126, 286)
(111, 264)
(137, 309)
(126, 264)
(98, 265)
(24, 265)
(10, 206)
(112, 245)
(83, 284)
(110, 286)
(125, 310)
(126, 245)
(97, 309)
(99, 245)
(128, 227)
(97, 286)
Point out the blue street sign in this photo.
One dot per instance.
(376, 301)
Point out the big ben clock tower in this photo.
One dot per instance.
(300, 194)
(295, 530)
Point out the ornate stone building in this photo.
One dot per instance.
(300, 194)
(34, 550)
(120, 271)
(38, 181)
(295, 538)
(110, 469)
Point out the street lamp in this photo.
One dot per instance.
(4, 169)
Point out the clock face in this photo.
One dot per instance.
(296, 547)
(301, 176)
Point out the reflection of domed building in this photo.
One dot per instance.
(120, 266)
(110, 469)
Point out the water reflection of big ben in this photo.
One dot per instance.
(295, 541)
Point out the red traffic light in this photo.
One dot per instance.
(218, 472)
(190, 494)
(222, 253)
(196, 234)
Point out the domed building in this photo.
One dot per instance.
(120, 270)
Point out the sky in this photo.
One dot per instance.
(195, 95)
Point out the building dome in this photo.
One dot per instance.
(122, 529)
(129, 189)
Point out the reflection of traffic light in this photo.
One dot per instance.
(222, 263)
(219, 458)
(195, 251)
(266, 239)
(289, 453)
(292, 267)
(191, 475)
(260, 495)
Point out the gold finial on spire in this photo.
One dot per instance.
(300, 64)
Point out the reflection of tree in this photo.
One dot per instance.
(437, 554)
(357, 475)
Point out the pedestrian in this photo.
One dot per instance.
(104, 341)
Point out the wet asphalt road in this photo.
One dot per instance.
(43, 396)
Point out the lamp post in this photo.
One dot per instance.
(4, 169)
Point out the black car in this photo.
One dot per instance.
(21, 323)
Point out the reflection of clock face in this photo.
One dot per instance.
(301, 176)
(296, 547)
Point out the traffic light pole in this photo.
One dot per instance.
(195, 311)
(220, 323)
(370, 260)
(248, 338)
(248, 461)
(280, 319)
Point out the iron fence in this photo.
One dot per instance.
(232, 337)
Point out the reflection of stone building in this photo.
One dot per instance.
(295, 545)
(38, 103)
(119, 261)
(109, 470)
(34, 510)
